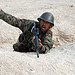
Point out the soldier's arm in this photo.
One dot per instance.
(46, 44)
(9, 19)
(20, 23)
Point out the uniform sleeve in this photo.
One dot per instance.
(10, 19)
(47, 43)
(20, 23)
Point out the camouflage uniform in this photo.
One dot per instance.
(24, 43)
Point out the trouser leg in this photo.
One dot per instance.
(20, 48)
(15, 47)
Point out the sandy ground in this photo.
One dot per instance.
(60, 60)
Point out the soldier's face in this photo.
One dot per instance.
(44, 25)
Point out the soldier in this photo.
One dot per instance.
(26, 39)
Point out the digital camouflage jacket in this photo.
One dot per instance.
(25, 38)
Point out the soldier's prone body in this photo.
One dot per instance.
(26, 39)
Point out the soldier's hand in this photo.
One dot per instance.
(0, 9)
(33, 39)
(38, 40)
(40, 43)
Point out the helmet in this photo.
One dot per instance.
(47, 16)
